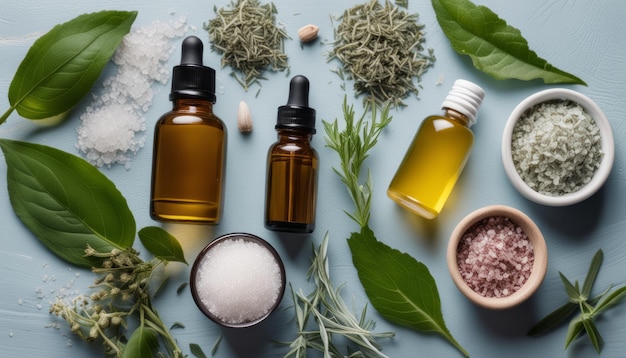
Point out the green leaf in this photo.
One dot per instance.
(611, 300)
(494, 47)
(574, 330)
(142, 343)
(196, 350)
(66, 202)
(593, 334)
(161, 244)
(553, 319)
(572, 290)
(594, 268)
(400, 288)
(62, 65)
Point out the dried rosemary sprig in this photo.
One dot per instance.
(326, 307)
(381, 48)
(248, 39)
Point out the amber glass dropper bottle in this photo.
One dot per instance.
(292, 165)
(438, 153)
(189, 156)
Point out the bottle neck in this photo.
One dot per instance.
(456, 116)
(294, 135)
(193, 104)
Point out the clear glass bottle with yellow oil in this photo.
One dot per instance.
(292, 165)
(189, 155)
(438, 153)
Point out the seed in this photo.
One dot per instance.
(308, 33)
(244, 119)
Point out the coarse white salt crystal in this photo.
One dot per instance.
(110, 127)
(238, 281)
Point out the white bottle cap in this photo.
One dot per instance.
(465, 97)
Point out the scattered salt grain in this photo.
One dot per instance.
(238, 281)
(110, 127)
(556, 147)
(495, 257)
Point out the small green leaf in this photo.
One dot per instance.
(594, 268)
(400, 288)
(66, 202)
(593, 334)
(62, 65)
(161, 244)
(572, 290)
(177, 325)
(553, 319)
(494, 47)
(574, 330)
(196, 350)
(610, 300)
(181, 288)
(142, 343)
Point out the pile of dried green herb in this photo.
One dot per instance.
(246, 36)
(381, 48)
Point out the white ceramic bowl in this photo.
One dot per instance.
(535, 237)
(608, 147)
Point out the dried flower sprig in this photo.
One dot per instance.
(121, 291)
(247, 37)
(589, 307)
(333, 317)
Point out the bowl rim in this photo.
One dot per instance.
(540, 250)
(202, 254)
(608, 147)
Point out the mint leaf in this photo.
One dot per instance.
(66, 202)
(62, 65)
(494, 47)
(400, 288)
(161, 244)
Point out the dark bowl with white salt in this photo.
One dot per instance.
(497, 257)
(238, 280)
(557, 147)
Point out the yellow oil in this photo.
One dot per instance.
(432, 165)
(291, 190)
(188, 167)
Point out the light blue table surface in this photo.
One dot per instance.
(582, 37)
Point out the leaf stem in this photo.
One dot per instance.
(6, 114)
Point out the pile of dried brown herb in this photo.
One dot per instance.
(381, 49)
(247, 37)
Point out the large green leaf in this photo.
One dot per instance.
(62, 65)
(496, 48)
(400, 288)
(66, 202)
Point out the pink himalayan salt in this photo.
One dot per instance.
(495, 257)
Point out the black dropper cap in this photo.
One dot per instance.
(296, 114)
(191, 79)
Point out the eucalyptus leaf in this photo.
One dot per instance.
(62, 65)
(495, 47)
(66, 202)
(161, 244)
(400, 288)
(592, 274)
(142, 343)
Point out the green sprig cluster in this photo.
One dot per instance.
(580, 300)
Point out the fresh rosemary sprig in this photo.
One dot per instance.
(589, 307)
(247, 37)
(353, 144)
(333, 317)
(380, 47)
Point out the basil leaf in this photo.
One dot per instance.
(161, 244)
(62, 65)
(142, 343)
(494, 47)
(400, 288)
(66, 202)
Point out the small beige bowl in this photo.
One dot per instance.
(608, 147)
(535, 237)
